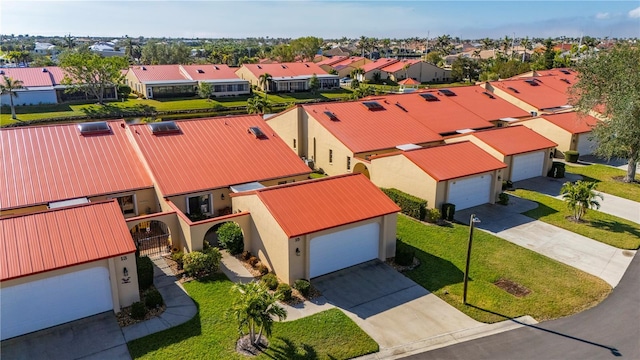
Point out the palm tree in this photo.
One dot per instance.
(386, 43)
(263, 80)
(362, 44)
(258, 105)
(506, 42)
(580, 196)
(9, 88)
(526, 44)
(356, 72)
(69, 41)
(406, 70)
(255, 307)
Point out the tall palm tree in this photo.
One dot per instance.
(258, 105)
(386, 43)
(69, 41)
(263, 80)
(9, 87)
(580, 196)
(362, 44)
(506, 42)
(406, 70)
(526, 45)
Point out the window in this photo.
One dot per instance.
(200, 204)
(429, 97)
(348, 162)
(373, 105)
(330, 156)
(282, 182)
(128, 204)
(294, 144)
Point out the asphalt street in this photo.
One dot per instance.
(609, 330)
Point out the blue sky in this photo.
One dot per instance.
(326, 19)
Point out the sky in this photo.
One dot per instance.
(471, 19)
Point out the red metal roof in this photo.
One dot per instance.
(347, 61)
(59, 238)
(30, 77)
(167, 73)
(209, 72)
(541, 96)
(408, 81)
(514, 140)
(453, 161)
(332, 60)
(572, 122)
(360, 129)
(490, 109)
(41, 164)
(216, 152)
(378, 64)
(443, 116)
(310, 206)
(398, 66)
(277, 70)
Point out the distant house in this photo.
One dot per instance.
(106, 49)
(288, 77)
(44, 48)
(337, 51)
(343, 65)
(397, 70)
(158, 81)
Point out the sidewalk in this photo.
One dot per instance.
(617, 206)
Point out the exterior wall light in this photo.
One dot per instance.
(125, 272)
(298, 251)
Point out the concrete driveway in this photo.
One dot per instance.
(390, 307)
(95, 337)
(507, 222)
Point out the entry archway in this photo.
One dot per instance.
(151, 237)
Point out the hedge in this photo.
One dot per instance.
(410, 205)
(145, 272)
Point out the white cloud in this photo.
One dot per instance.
(635, 13)
(603, 15)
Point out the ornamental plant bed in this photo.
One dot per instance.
(124, 316)
(512, 288)
(177, 270)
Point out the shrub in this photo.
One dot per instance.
(178, 256)
(230, 237)
(404, 256)
(253, 261)
(262, 269)
(433, 215)
(503, 199)
(153, 299)
(246, 255)
(270, 280)
(144, 266)
(138, 310)
(410, 205)
(303, 286)
(284, 291)
(199, 263)
(571, 156)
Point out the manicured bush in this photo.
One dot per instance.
(145, 272)
(303, 286)
(246, 255)
(410, 205)
(230, 237)
(253, 261)
(284, 291)
(404, 255)
(178, 256)
(197, 263)
(433, 215)
(571, 156)
(262, 269)
(270, 280)
(503, 199)
(138, 310)
(153, 299)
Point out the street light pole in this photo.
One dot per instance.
(472, 221)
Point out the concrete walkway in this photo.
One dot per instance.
(180, 306)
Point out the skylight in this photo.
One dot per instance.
(373, 105)
(487, 94)
(257, 132)
(259, 67)
(565, 80)
(531, 82)
(401, 107)
(513, 89)
(429, 97)
(215, 67)
(200, 71)
(566, 72)
(94, 128)
(331, 115)
(447, 92)
(164, 127)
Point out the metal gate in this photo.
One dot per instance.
(152, 238)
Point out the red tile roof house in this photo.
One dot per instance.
(343, 64)
(158, 81)
(288, 77)
(394, 70)
(486, 105)
(526, 153)
(198, 163)
(571, 131)
(461, 174)
(306, 229)
(43, 85)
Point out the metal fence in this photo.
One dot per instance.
(151, 238)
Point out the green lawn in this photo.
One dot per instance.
(602, 227)
(604, 175)
(557, 290)
(327, 335)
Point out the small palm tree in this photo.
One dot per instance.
(9, 87)
(263, 80)
(580, 196)
(255, 307)
(406, 70)
(258, 105)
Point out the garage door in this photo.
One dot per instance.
(526, 166)
(342, 249)
(470, 192)
(48, 302)
(585, 146)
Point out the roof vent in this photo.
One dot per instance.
(200, 71)
(307, 65)
(44, 69)
(94, 128)
(143, 68)
(164, 128)
(257, 132)
(259, 67)
(215, 67)
(566, 72)
(283, 66)
(533, 113)
(513, 89)
(331, 116)
(446, 92)
(487, 94)
(565, 80)
(373, 105)
(401, 107)
(531, 82)
(1, 72)
(429, 97)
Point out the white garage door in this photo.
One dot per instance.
(526, 166)
(342, 249)
(48, 302)
(469, 192)
(585, 146)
